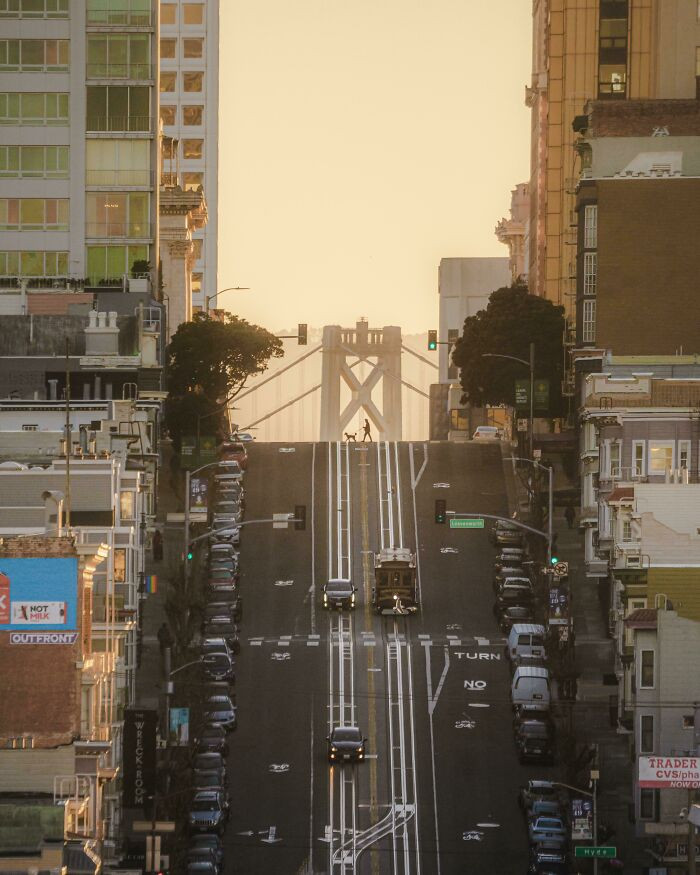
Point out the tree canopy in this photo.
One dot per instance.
(511, 321)
(207, 364)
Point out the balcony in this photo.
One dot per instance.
(138, 72)
(124, 124)
(35, 9)
(102, 177)
(118, 229)
(131, 14)
(42, 283)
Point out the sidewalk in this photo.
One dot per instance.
(594, 661)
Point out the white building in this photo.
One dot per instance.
(464, 286)
(78, 148)
(189, 110)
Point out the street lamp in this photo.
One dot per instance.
(529, 364)
(188, 477)
(550, 472)
(209, 298)
(595, 777)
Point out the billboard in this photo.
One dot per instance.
(199, 488)
(38, 594)
(179, 733)
(658, 772)
(139, 756)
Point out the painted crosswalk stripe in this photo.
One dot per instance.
(312, 643)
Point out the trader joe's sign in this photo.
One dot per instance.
(670, 772)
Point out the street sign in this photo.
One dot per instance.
(522, 394)
(603, 852)
(466, 523)
(541, 394)
(561, 569)
(281, 520)
(522, 425)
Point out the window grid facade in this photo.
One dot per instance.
(588, 328)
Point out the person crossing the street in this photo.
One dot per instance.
(367, 434)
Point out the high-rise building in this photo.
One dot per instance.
(78, 195)
(583, 50)
(189, 95)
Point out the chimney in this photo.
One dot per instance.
(102, 334)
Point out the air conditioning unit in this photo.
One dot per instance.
(633, 561)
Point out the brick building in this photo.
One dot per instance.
(636, 268)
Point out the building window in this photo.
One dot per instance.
(684, 454)
(196, 283)
(613, 33)
(646, 733)
(168, 48)
(590, 272)
(627, 529)
(647, 798)
(18, 263)
(118, 56)
(688, 721)
(43, 162)
(192, 81)
(197, 249)
(31, 427)
(167, 115)
(193, 13)
(118, 108)
(168, 82)
(588, 331)
(33, 108)
(127, 505)
(192, 148)
(646, 678)
(612, 80)
(34, 214)
(120, 559)
(111, 263)
(192, 115)
(614, 458)
(590, 226)
(168, 13)
(115, 12)
(660, 457)
(192, 181)
(34, 8)
(639, 458)
(117, 214)
(192, 47)
(118, 162)
(34, 55)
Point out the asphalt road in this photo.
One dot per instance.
(438, 792)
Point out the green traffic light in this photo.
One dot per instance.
(190, 555)
(554, 560)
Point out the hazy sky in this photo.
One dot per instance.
(360, 142)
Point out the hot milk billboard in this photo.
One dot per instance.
(38, 594)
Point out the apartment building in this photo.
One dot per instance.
(636, 208)
(189, 108)
(611, 50)
(78, 141)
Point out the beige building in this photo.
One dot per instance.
(583, 50)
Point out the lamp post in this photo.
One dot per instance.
(550, 473)
(188, 477)
(213, 297)
(529, 364)
(595, 777)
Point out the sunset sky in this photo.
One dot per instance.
(362, 141)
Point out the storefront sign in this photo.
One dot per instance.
(670, 772)
(139, 757)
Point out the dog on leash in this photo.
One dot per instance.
(351, 437)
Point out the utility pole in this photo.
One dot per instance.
(692, 863)
(595, 775)
(68, 440)
(532, 398)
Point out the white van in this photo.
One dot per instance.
(525, 639)
(530, 687)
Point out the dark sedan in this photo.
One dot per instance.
(508, 617)
(534, 741)
(339, 594)
(220, 709)
(208, 841)
(223, 627)
(346, 744)
(212, 738)
(218, 667)
(208, 811)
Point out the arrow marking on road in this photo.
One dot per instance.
(465, 724)
(449, 550)
(271, 836)
(441, 485)
(280, 657)
(284, 582)
(248, 832)
(278, 768)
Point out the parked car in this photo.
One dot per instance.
(235, 451)
(223, 627)
(515, 590)
(243, 436)
(550, 807)
(228, 506)
(212, 737)
(208, 811)
(339, 594)
(534, 741)
(218, 667)
(230, 472)
(213, 779)
(548, 859)
(203, 855)
(220, 608)
(535, 790)
(211, 645)
(530, 687)
(507, 617)
(488, 433)
(222, 551)
(201, 867)
(525, 639)
(221, 709)
(207, 762)
(504, 534)
(501, 574)
(511, 556)
(210, 841)
(345, 743)
(546, 828)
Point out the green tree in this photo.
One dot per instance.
(207, 364)
(511, 321)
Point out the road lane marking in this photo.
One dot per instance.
(312, 589)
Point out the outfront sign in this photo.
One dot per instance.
(38, 594)
(658, 772)
(139, 756)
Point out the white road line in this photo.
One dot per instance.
(339, 507)
(398, 493)
(389, 493)
(413, 753)
(431, 708)
(313, 537)
(311, 785)
(330, 513)
(380, 494)
(414, 483)
(392, 754)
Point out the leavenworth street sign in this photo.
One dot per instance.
(467, 524)
(602, 852)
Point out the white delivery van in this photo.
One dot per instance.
(531, 688)
(525, 639)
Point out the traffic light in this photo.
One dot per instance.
(190, 552)
(302, 333)
(554, 560)
(300, 517)
(440, 511)
(432, 340)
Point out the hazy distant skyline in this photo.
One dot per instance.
(360, 143)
